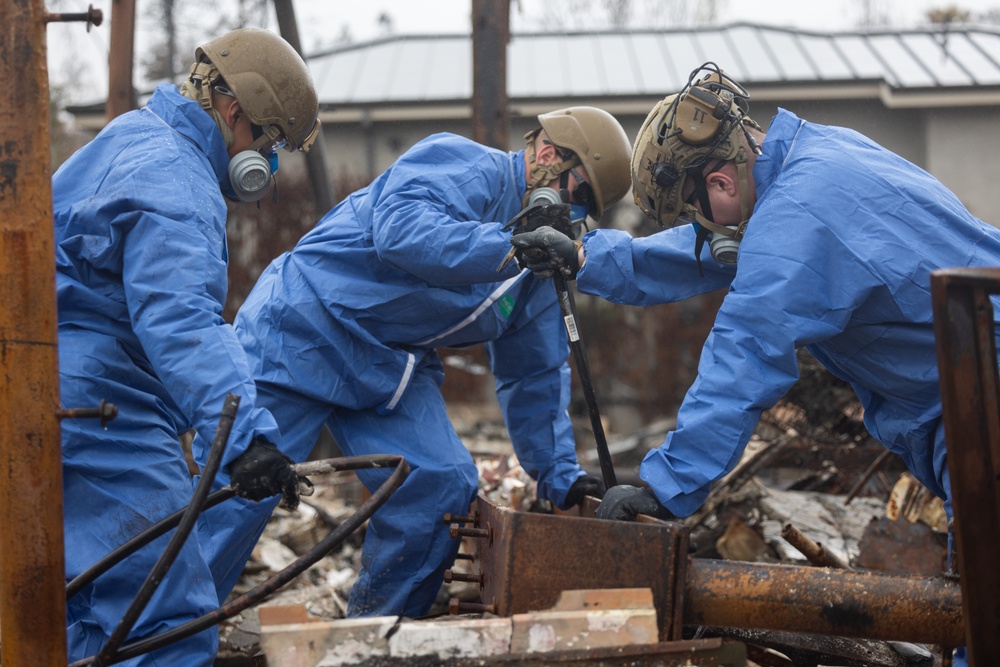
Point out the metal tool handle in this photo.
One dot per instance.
(570, 319)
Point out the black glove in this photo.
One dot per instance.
(263, 471)
(548, 215)
(623, 502)
(546, 251)
(584, 486)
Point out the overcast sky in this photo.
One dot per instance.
(78, 59)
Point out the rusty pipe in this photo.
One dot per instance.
(814, 551)
(867, 605)
(189, 519)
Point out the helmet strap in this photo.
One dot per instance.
(203, 75)
(742, 175)
(699, 242)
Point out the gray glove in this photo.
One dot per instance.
(546, 251)
(624, 502)
(263, 471)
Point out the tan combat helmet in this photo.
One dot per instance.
(681, 135)
(601, 145)
(270, 81)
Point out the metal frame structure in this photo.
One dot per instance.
(967, 362)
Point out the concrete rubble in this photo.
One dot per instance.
(587, 619)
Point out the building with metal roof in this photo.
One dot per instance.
(932, 95)
(640, 64)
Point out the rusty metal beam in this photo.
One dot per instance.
(32, 568)
(967, 363)
(843, 603)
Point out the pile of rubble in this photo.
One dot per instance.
(811, 470)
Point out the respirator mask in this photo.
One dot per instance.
(547, 196)
(724, 249)
(250, 172)
(580, 201)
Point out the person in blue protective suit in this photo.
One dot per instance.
(140, 227)
(342, 331)
(824, 240)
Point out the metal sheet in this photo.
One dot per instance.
(408, 69)
(903, 547)
(528, 559)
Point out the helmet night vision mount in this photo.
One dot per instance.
(681, 137)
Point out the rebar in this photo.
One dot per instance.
(187, 523)
(297, 567)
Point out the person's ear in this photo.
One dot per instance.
(231, 112)
(546, 153)
(723, 182)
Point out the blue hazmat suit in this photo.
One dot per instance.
(837, 258)
(342, 331)
(141, 277)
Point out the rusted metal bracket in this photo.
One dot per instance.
(525, 560)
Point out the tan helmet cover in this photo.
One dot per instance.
(599, 141)
(685, 131)
(269, 79)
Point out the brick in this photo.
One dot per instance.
(540, 632)
(461, 638)
(604, 598)
(285, 614)
(326, 643)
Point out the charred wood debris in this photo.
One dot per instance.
(812, 488)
